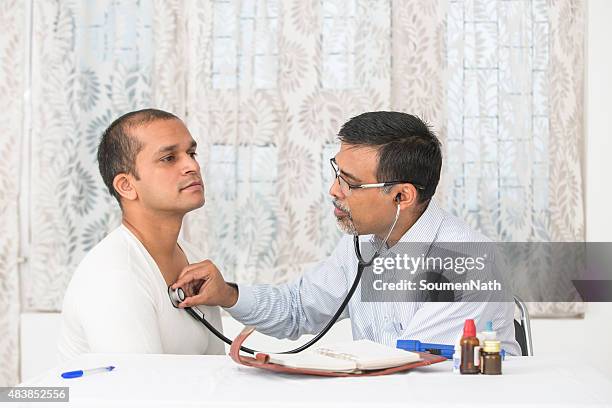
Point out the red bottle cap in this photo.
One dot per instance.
(469, 328)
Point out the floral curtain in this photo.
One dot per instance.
(514, 97)
(12, 88)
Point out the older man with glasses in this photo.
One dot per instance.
(386, 174)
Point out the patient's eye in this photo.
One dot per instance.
(167, 159)
(193, 154)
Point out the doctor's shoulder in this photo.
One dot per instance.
(455, 229)
(342, 258)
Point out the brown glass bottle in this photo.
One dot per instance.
(468, 343)
(491, 360)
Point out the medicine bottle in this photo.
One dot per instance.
(470, 359)
(490, 359)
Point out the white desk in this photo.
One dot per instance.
(214, 381)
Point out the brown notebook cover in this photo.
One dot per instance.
(262, 362)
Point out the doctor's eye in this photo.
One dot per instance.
(193, 154)
(167, 159)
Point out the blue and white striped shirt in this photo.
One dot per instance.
(305, 305)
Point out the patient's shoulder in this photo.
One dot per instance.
(113, 271)
(114, 260)
(112, 251)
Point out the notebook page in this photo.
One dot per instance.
(369, 355)
(347, 357)
(313, 361)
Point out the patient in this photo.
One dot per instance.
(117, 300)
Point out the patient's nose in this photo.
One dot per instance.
(191, 165)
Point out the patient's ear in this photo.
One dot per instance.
(124, 187)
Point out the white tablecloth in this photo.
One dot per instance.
(215, 381)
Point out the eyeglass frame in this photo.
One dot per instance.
(336, 170)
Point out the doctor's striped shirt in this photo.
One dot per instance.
(305, 305)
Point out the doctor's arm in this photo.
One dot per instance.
(289, 310)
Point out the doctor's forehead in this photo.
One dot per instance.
(360, 161)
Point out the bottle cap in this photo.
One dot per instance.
(487, 335)
(469, 328)
(492, 346)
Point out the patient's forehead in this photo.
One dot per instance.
(162, 133)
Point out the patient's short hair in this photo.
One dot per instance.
(118, 147)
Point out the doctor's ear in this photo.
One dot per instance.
(122, 184)
(407, 197)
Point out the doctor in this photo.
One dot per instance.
(401, 151)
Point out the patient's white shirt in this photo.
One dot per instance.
(117, 302)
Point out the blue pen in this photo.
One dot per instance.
(80, 373)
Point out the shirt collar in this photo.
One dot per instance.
(424, 230)
(426, 227)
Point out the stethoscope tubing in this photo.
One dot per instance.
(361, 265)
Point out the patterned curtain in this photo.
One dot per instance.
(515, 125)
(273, 82)
(90, 63)
(284, 76)
(12, 88)
(264, 86)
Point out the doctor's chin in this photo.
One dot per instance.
(330, 203)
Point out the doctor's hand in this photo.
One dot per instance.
(203, 284)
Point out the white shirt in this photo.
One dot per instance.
(117, 302)
(307, 304)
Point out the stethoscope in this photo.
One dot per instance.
(178, 295)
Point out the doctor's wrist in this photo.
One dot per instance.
(231, 294)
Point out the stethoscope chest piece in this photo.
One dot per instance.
(176, 296)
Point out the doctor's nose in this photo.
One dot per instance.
(335, 190)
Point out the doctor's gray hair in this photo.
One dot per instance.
(407, 148)
(118, 147)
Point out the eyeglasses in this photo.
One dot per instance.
(347, 187)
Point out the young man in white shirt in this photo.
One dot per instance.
(117, 300)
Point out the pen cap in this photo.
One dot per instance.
(73, 374)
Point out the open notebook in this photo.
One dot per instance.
(349, 357)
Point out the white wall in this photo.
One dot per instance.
(591, 337)
(599, 121)
(38, 336)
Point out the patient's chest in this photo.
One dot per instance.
(179, 332)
